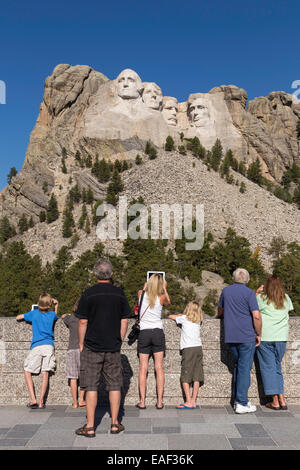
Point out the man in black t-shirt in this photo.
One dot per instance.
(103, 313)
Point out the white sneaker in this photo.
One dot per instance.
(240, 409)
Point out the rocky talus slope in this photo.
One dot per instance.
(173, 178)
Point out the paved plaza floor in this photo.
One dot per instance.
(207, 428)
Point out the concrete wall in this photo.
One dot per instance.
(15, 340)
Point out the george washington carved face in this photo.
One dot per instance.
(129, 84)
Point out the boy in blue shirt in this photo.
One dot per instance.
(41, 356)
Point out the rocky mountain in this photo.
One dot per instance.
(83, 113)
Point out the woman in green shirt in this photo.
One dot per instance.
(274, 305)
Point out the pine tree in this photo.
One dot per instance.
(78, 156)
(42, 216)
(118, 165)
(89, 196)
(150, 150)
(45, 186)
(242, 169)
(63, 165)
(87, 227)
(52, 210)
(169, 145)
(23, 224)
(124, 165)
(216, 155)
(181, 150)
(64, 152)
(75, 194)
(68, 223)
(82, 217)
(254, 172)
(6, 229)
(138, 160)
(103, 173)
(31, 223)
(95, 167)
(88, 161)
(242, 187)
(13, 172)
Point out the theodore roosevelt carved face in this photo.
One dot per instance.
(129, 84)
(169, 110)
(152, 95)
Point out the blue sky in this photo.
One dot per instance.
(184, 46)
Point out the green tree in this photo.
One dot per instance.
(63, 165)
(23, 224)
(242, 169)
(150, 150)
(216, 155)
(68, 223)
(7, 230)
(45, 186)
(210, 303)
(104, 171)
(89, 196)
(254, 172)
(87, 227)
(13, 172)
(43, 216)
(138, 160)
(52, 212)
(124, 165)
(242, 187)
(31, 223)
(82, 217)
(169, 145)
(182, 150)
(88, 161)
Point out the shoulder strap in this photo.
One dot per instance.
(140, 305)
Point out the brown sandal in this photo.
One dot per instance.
(272, 407)
(119, 427)
(84, 431)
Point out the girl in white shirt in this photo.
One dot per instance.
(191, 350)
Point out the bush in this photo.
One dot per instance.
(169, 145)
(138, 160)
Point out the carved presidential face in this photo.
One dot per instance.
(152, 95)
(129, 84)
(169, 111)
(198, 112)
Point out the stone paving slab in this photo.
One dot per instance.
(207, 428)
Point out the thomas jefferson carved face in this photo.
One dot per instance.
(198, 112)
(152, 95)
(169, 110)
(129, 84)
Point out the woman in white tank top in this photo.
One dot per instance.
(151, 338)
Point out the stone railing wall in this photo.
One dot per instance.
(15, 340)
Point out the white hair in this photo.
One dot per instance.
(241, 275)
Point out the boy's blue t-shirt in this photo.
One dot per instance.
(238, 302)
(42, 327)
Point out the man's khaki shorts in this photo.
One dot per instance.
(40, 358)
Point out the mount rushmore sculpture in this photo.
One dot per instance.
(127, 107)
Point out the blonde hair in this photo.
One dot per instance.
(154, 288)
(193, 312)
(45, 302)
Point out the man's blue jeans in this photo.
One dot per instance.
(243, 354)
(270, 355)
